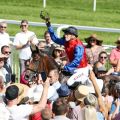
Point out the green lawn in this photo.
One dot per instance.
(74, 12)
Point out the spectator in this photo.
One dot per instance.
(100, 65)
(4, 113)
(22, 42)
(4, 37)
(90, 107)
(115, 55)
(54, 78)
(57, 55)
(22, 76)
(2, 69)
(64, 92)
(81, 92)
(115, 107)
(60, 109)
(74, 48)
(6, 50)
(93, 48)
(7, 64)
(22, 112)
(41, 46)
(2, 86)
(49, 43)
(46, 114)
(107, 97)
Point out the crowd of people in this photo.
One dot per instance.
(60, 78)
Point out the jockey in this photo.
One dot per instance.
(74, 48)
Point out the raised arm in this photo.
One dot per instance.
(54, 37)
(42, 103)
(98, 93)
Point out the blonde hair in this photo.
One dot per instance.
(90, 113)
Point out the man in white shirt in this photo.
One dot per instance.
(4, 37)
(23, 111)
(4, 113)
(5, 50)
(54, 78)
(22, 42)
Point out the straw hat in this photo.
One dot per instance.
(23, 89)
(59, 48)
(81, 92)
(94, 37)
(118, 41)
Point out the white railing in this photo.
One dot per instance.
(61, 26)
(58, 25)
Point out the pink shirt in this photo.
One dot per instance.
(115, 54)
(78, 113)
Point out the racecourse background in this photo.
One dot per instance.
(73, 12)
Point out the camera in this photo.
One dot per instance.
(31, 76)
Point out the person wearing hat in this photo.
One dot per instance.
(64, 92)
(93, 48)
(115, 55)
(57, 55)
(74, 48)
(80, 94)
(23, 111)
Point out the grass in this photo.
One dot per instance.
(74, 12)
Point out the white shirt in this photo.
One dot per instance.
(20, 112)
(4, 39)
(3, 73)
(56, 85)
(35, 93)
(21, 39)
(4, 113)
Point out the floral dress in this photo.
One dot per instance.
(92, 57)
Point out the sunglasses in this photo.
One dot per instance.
(92, 40)
(23, 25)
(3, 27)
(103, 57)
(7, 52)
